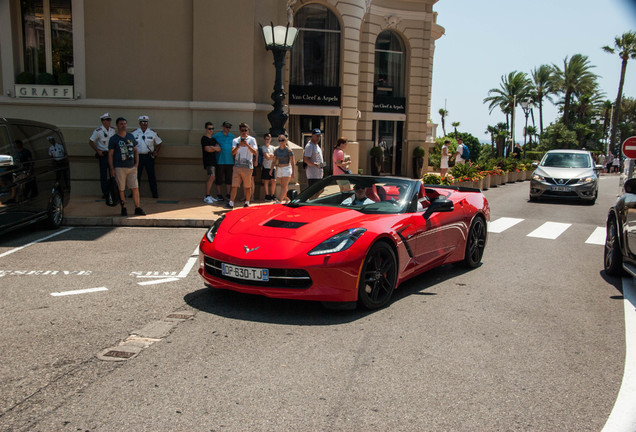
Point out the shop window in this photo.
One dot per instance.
(389, 65)
(47, 39)
(315, 57)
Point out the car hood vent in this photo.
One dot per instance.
(274, 223)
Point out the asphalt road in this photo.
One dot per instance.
(531, 340)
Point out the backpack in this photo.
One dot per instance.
(112, 193)
(465, 152)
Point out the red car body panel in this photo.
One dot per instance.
(280, 237)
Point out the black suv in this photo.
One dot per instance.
(35, 182)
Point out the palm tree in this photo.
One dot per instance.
(530, 132)
(541, 89)
(625, 45)
(512, 89)
(573, 80)
(492, 130)
(443, 113)
(455, 125)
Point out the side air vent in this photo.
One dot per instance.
(284, 224)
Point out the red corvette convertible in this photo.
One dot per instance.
(348, 239)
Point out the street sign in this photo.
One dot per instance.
(629, 147)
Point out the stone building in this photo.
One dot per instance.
(359, 68)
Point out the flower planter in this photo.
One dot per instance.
(487, 181)
(464, 184)
(512, 176)
(504, 178)
(528, 175)
(521, 176)
(494, 180)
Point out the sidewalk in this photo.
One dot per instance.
(163, 212)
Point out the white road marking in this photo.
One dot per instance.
(502, 224)
(158, 281)
(183, 273)
(597, 237)
(623, 415)
(75, 292)
(550, 230)
(9, 252)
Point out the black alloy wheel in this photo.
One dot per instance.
(379, 277)
(55, 212)
(475, 243)
(613, 261)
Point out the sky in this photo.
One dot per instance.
(485, 40)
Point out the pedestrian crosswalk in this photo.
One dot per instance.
(547, 230)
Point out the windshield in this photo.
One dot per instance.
(567, 160)
(366, 194)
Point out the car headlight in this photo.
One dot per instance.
(538, 177)
(213, 229)
(587, 179)
(339, 242)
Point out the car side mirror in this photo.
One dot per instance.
(292, 194)
(6, 160)
(535, 164)
(630, 186)
(439, 205)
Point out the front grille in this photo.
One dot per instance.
(561, 182)
(278, 278)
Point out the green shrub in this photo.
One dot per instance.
(432, 179)
(25, 78)
(419, 152)
(46, 79)
(376, 152)
(65, 79)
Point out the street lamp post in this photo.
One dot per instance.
(526, 105)
(279, 40)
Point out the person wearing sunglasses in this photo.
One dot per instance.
(284, 163)
(210, 149)
(99, 142)
(224, 160)
(244, 148)
(148, 145)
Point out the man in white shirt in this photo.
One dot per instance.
(99, 142)
(458, 154)
(148, 146)
(244, 148)
(312, 156)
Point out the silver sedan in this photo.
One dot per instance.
(565, 174)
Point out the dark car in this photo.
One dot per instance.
(34, 174)
(620, 239)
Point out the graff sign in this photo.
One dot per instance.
(43, 91)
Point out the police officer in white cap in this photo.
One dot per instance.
(99, 142)
(148, 146)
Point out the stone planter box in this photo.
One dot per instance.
(504, 178)
(469, 184)
(494, 180)
(486, 181)
(512, 176)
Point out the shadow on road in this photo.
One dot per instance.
(248, 307)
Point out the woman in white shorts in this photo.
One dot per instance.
(443, 164)
(284, 165)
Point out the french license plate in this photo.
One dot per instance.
(246, 273)
(560, 189)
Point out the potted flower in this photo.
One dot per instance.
(418, 161)
(377, 154)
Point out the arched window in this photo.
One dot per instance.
(315, 57)
(389, 66)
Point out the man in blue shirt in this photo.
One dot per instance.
(123, 160)
(224, 160)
